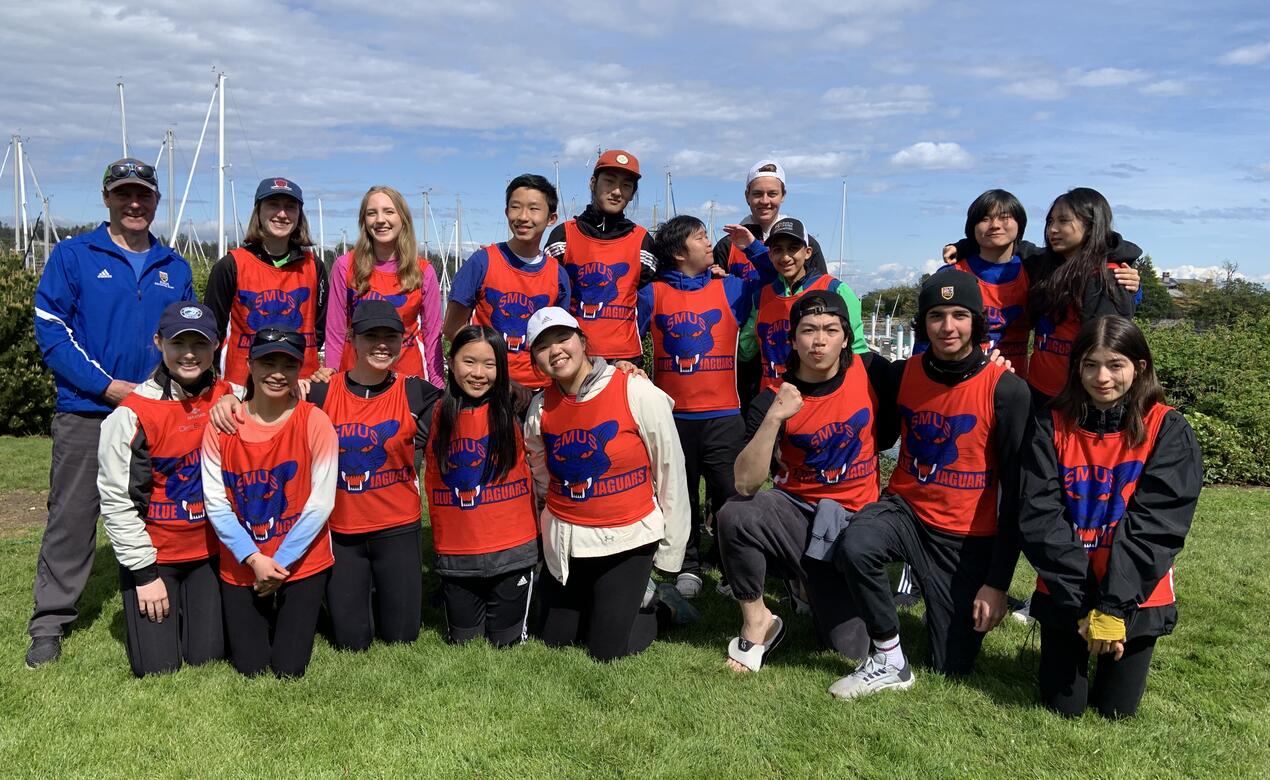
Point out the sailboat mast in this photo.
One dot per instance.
(321, 233)
(123, 118)
(842, 237)
(425, 224)
(16, 144)
(170, 140)
(670, 212)
(21, 171)
(220, 166)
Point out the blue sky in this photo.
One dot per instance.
(1163, 106)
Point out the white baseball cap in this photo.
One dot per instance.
(755, 173)
(547, 318)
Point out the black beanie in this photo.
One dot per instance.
(949, 288)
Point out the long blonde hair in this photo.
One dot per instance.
(409, 275)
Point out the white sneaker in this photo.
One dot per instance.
(874, 675)
(1022, 612)
(688, 585)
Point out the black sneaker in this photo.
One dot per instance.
(43, 650)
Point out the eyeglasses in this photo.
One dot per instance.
(129, 170)
(272, 335)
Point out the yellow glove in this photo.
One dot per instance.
(1105, 628)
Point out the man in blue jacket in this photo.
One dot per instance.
(96, 311)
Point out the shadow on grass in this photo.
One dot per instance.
(103, 585)
(1008, 679)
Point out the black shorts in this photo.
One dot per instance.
(494, 607)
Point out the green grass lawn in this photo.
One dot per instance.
(437, 711)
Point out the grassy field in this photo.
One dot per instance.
(436, 711)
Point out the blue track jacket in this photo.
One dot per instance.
(95, 320)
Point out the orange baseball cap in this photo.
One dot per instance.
(616, 158)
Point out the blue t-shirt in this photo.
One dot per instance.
(470, 279)
(136, 259)
(993, 273)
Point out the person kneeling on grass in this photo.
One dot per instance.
(269, 489)
(605, 455)
(1111, 477)
(480, 497)
(950, 510)
(381, 418)
(151, 490)
(823, 428)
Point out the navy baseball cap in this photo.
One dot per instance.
(376, 314)
(788, 226)
(279, 186)
(271, 340)
(187, 317)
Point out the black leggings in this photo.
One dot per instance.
(1064, 674)
(600, 605)
(710, 447)
(274, 631)
(496, 608)
(193, 631)
(376, 587)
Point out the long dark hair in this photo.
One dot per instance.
(1117, 334)
(1064, 290)
(500, 453)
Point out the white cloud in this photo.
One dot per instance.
(1107, 77)
(867, 103)
(821, 165)
(1253, 54)
(1212, 272)
(1036, 89)
(850, 22)
(864, 278)
(720, 210)
(932, 155)
(732, 161)
(1260, 172)
(1166, 88)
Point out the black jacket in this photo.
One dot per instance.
(596, 224)
(1147, 539)
(222, 286)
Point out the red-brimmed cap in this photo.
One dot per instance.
(617, 158)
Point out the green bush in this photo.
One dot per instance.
(27, 394)
(1219, 380)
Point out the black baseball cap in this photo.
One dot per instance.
(788, 226)
(278, 186)
(271, 340)
(129, 170)
(949, 288)
(187, 317)
(817, 302)
(376, 314)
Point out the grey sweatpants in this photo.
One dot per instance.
(70, 538)
(770, 530)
